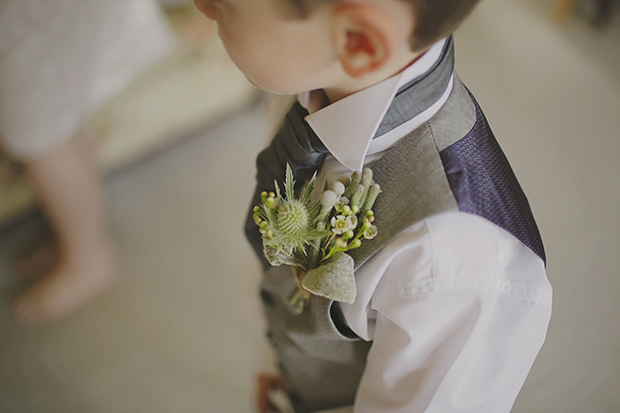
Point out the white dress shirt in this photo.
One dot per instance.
(456, 307)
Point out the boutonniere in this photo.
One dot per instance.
(314, 236)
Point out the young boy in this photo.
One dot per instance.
(453, 302)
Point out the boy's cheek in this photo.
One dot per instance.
(249, 57)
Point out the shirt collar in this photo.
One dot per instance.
(348, 126)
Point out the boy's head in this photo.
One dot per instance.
(341, 46)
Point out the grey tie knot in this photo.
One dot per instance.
(295, 144)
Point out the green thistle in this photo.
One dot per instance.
(292, 218)
(289, 225)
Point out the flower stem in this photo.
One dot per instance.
(296, 299)
(332, 252)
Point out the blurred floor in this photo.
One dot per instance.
(178, 333)
(182, 332)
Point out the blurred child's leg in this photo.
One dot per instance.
(69, 190)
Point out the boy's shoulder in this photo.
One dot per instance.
(456, 119)
(480, 176)
(454, 163)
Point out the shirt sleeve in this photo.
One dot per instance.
(457, 319)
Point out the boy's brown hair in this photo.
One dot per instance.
(435, 19)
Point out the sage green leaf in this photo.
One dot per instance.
(334, 279)
(277, 257)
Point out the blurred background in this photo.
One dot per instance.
(182, 331)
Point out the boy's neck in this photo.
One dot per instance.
(353, 85)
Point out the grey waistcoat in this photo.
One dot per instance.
(451, 163)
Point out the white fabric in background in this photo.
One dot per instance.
(59, 60)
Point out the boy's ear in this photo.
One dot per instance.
(365, 37)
